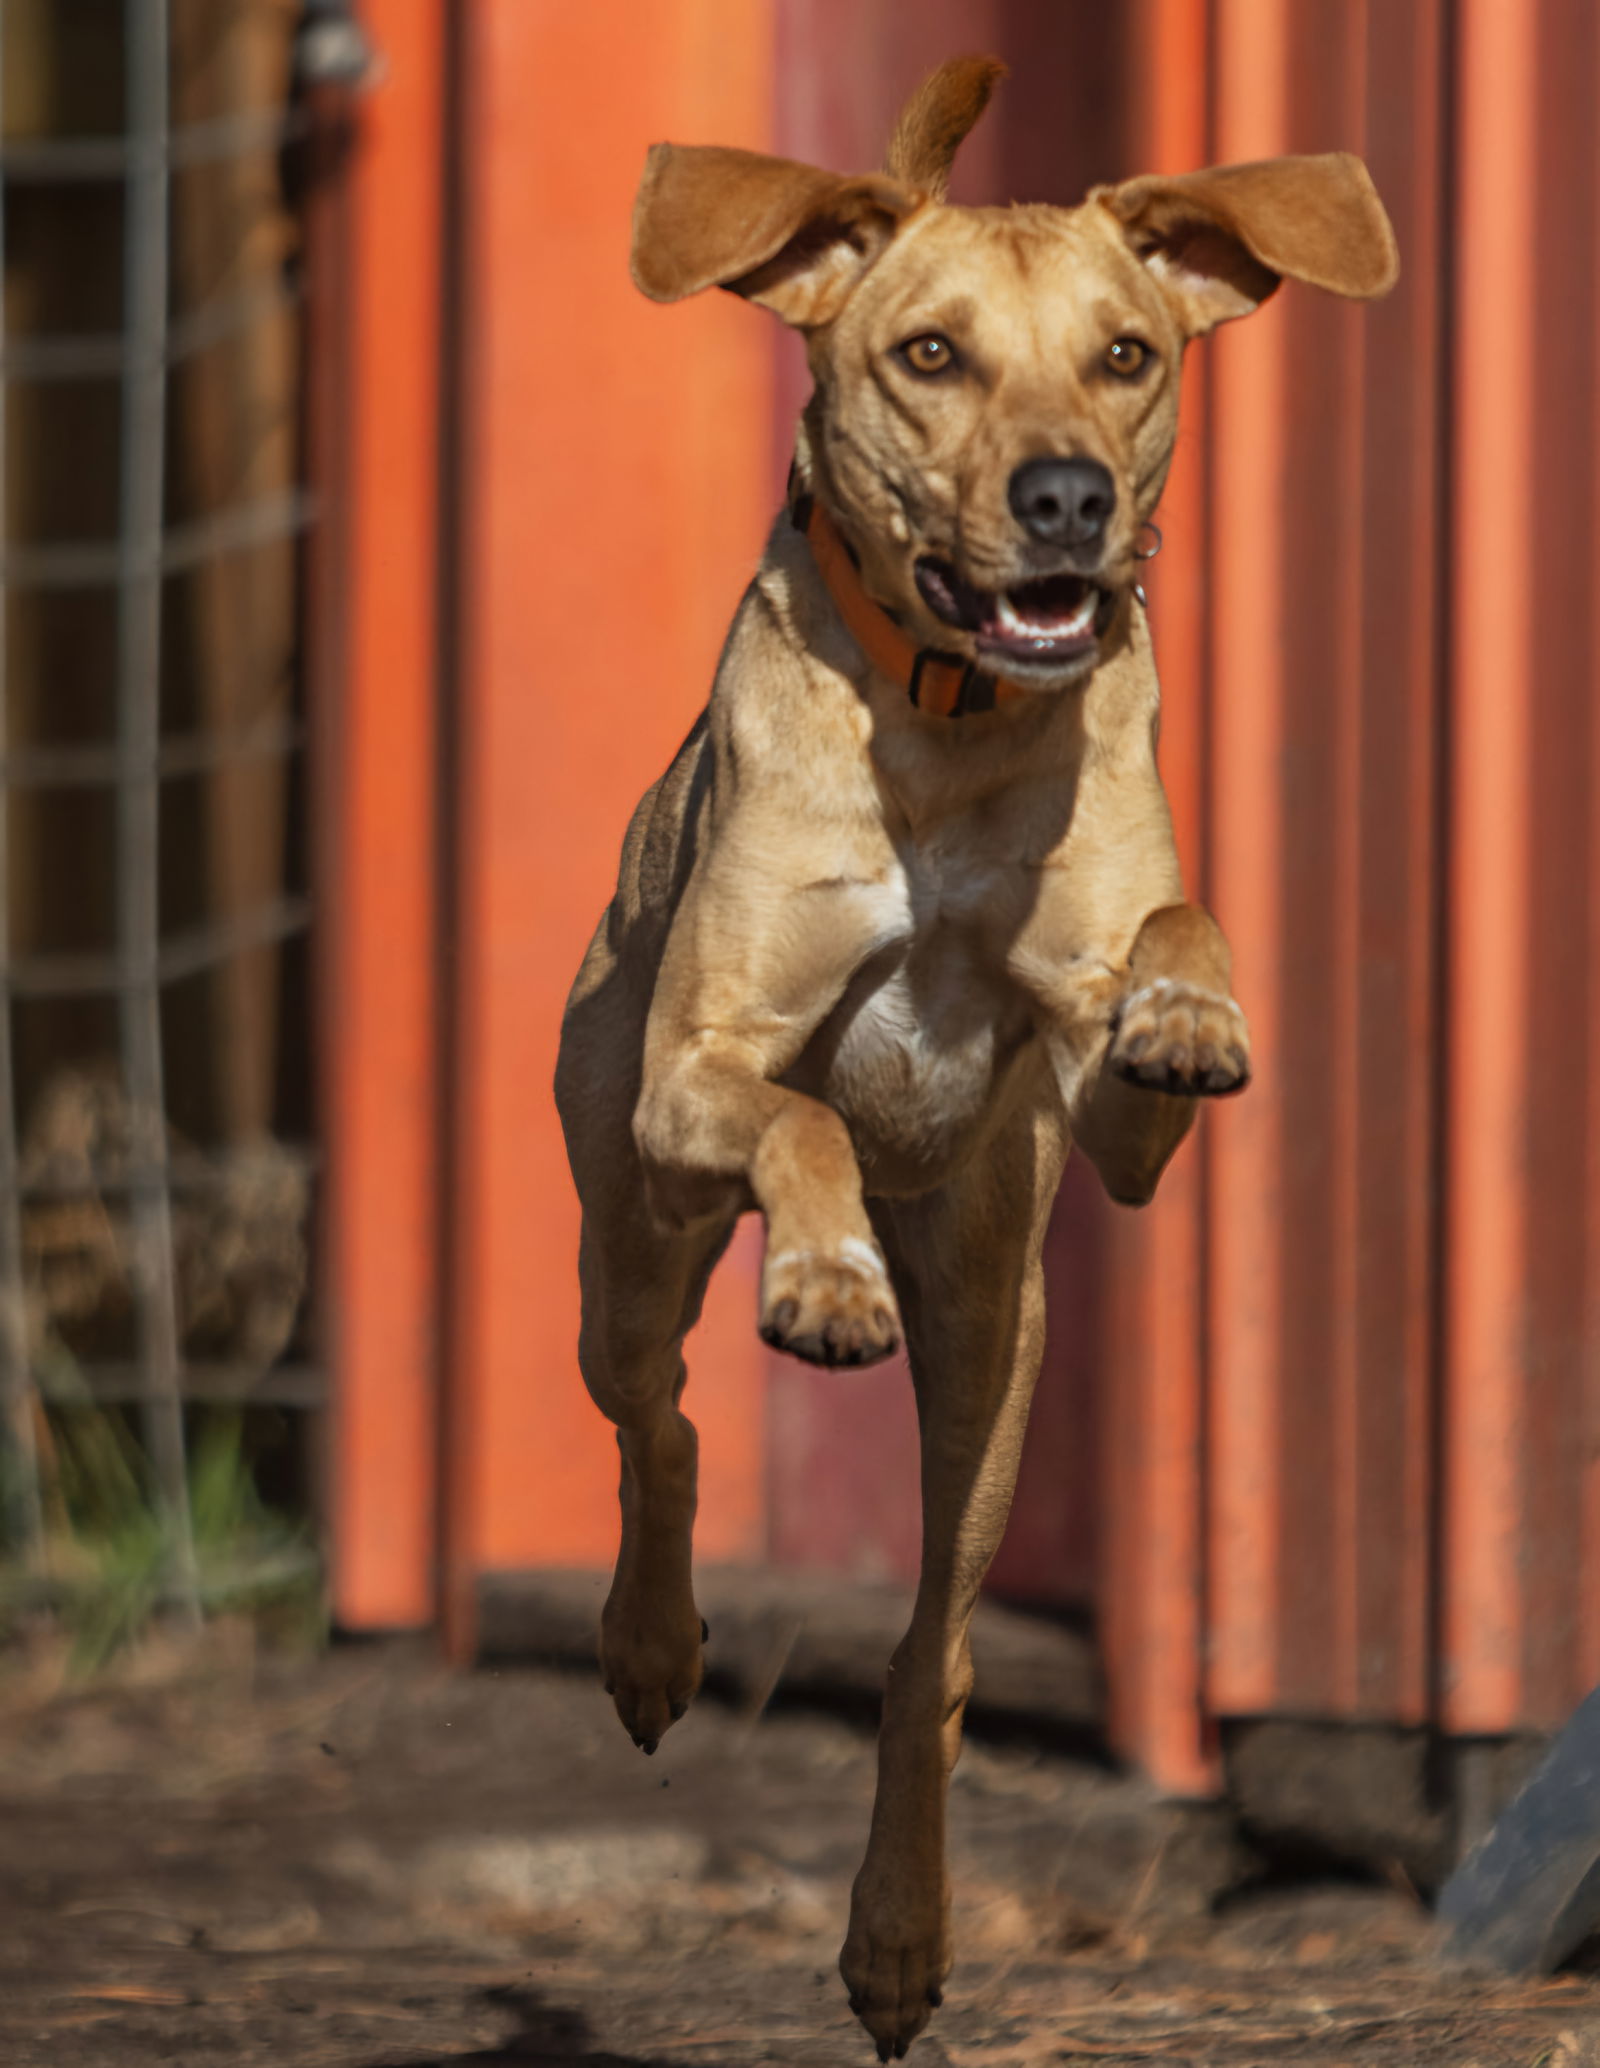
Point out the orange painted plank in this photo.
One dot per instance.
(616, 460)
(1393, 563)
(1496, 375)
(1152, 1592)
(1588, 1630)
(1244, 1165)
(1344, 1460)
(378, 856)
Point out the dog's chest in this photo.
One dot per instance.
(918, 1054)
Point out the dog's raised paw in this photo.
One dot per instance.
(830, 1306)
(1176, 1037)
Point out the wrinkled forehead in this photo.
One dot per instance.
(1021, 274)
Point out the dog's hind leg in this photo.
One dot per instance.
(642, 1292)
(966, 1264)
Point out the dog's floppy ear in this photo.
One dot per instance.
(788, 236)
(1220, 241)
(937, 117)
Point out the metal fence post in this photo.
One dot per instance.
(139, 579)
(19, 1463)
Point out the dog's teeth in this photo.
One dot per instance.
(1012, 621)
(1009, 620)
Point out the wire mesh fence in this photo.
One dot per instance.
(157, 1158)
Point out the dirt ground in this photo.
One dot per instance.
(364, 1862)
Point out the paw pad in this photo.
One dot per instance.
(1176, 1037)
(830, 1306)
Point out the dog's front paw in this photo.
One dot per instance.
(895, 1961)
(829, 1306)
(1175, 1037)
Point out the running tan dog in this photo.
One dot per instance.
(903, 919)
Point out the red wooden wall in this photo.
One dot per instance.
(1323, 683)
(550, 502)
(613, 507)
(1519, 1608)
(1317, 1430)
(376, 298)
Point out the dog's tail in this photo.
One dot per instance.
(934, 121)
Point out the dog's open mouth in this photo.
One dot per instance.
(1057, 619)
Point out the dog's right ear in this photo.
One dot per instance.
(789, 236)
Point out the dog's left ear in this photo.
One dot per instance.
(1220, 241)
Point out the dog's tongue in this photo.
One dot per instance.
(952, 599)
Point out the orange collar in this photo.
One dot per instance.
(942, 684)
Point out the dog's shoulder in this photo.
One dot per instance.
(790, 729)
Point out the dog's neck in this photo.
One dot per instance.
(943, 685)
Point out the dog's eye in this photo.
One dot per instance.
(1127, 356)
(929, 353)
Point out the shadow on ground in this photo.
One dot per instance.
(554, 2034)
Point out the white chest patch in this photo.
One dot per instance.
(916, 1053)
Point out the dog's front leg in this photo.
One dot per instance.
(825, 1295)
(967, 1261)
(1135, 1049)
(713, 1125)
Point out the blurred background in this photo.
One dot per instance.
(368, 545)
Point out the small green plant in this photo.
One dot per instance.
(113, 1555)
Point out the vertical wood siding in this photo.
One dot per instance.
(1317, 1432)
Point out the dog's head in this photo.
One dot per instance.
(997, 388)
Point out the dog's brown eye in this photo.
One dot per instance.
(1127, 356)
(929, 354)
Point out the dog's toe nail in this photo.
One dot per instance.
(705, 1631)
(935, 1996)
(884, 2050)
(647, 1746)
(882, 1320)
(785, 1315)
(900, 2046)
(678, 1710)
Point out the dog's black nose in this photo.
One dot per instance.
(1063, 502)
